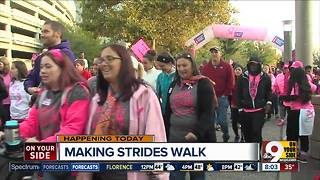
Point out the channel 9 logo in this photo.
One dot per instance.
(279, 151)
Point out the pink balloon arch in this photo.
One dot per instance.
(233, 32)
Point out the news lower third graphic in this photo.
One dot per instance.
(140, 153)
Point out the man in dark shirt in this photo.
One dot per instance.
(221, 73)
(51, 36)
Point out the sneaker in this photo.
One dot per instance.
(302, 157)
(280, 122)
(267, 117)
(218, 128)
(302, 160)
(236, 139)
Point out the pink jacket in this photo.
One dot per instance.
(76, 116)
(272, 78)
(296, 105)
(145, 118)
(278, 85)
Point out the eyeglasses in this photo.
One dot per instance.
(214, 51)
(108, 59)
(184, 55)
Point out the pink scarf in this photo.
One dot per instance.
(253, 85)
(194, 79)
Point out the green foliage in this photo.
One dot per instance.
(262, 50)
(169, 23)
(316, 57)
(82, 40)
(229, 47)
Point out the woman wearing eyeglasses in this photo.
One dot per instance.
(123, 105)
(191, 103)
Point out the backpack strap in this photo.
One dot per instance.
(93, 107)
(41, 97)
(64, 95)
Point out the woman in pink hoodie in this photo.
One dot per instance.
(69, 96)
(300, 89)
(61, 107)
(123, 105)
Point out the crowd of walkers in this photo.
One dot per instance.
(163, 95)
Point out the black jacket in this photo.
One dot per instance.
(3, 95)
(264, 92)
(204, 129)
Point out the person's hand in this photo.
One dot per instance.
(191, 137)
(33, 90)
(268, 108)
(33, 139)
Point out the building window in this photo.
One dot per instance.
(21, 54)
(2, 26)
(3, 52)
(43, 18)
(24, 32)
(49, 2)
(67, 17)
(21, 8)
(60, 10)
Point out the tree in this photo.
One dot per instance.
(82, 40)
(316, 57)
(169, 23)
(262, 50)
(229, 47)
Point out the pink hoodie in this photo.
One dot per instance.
(278, 86)
(73, 123)
(145, 118)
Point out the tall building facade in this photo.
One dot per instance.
(21, 22)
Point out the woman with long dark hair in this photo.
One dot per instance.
(123, 105)
(19, 98)
(191, 101)
(300, 89)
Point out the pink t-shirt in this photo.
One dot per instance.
(253, 88)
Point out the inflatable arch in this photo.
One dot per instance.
(233, 32)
